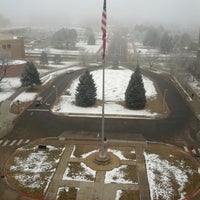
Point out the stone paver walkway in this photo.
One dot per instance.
(98, 189)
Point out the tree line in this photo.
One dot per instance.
(166, 41)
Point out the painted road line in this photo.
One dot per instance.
(13, 142)
(19, 142)
(5, 143)
(27, 141)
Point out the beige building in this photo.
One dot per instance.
(13, 47)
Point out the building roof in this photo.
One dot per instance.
(7, 37)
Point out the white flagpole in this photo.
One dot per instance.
(102, 147)
(102, 152)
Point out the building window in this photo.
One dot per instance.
(3, 46)
(8, 46)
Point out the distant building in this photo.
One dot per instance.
(12, 48)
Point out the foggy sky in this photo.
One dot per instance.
(65, 12)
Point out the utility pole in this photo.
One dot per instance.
(56, 92)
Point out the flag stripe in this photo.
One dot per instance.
(103, 28)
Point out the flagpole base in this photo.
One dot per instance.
(102, 158)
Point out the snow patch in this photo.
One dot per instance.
(160, 185)
(116, 82)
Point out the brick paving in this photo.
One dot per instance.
(99, 189)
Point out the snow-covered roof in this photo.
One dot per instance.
(7, 37)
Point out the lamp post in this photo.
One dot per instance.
(55, 91)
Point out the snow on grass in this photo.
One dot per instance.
(79, 172)
(61, 65)
(33, 169)
(119, 154)
(25, 97)
(160, 176)
(5, 95)
(85, 155)
(8, 86)
(194, 84)
(125, 154)
(121, 175)
(116, 82)
(16, 62)
(52, 51)
(10, 83)
(89, 48)
(118, 194)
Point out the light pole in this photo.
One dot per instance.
(55, 91)
(164, 98)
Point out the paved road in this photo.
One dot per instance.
(38, 122)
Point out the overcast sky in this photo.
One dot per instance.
(64, 12)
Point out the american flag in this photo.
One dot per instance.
(103, 28)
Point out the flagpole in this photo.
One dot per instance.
(102, 147)
(102, 157)
(103, 28)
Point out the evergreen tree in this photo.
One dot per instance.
(152, 38)
(65, 39)
(91, 40)
(57, 59)
(135, 93)
(30, 75)
(86, 90)
(44, 58)
(166, 44)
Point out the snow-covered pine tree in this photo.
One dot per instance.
(30, 75)
(86, 90)
(135, 93)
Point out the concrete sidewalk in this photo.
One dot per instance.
(6, 117)
(98, 189)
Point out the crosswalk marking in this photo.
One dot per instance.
(27, 141)
(5, 143)
(15, 142)
(19, 142)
